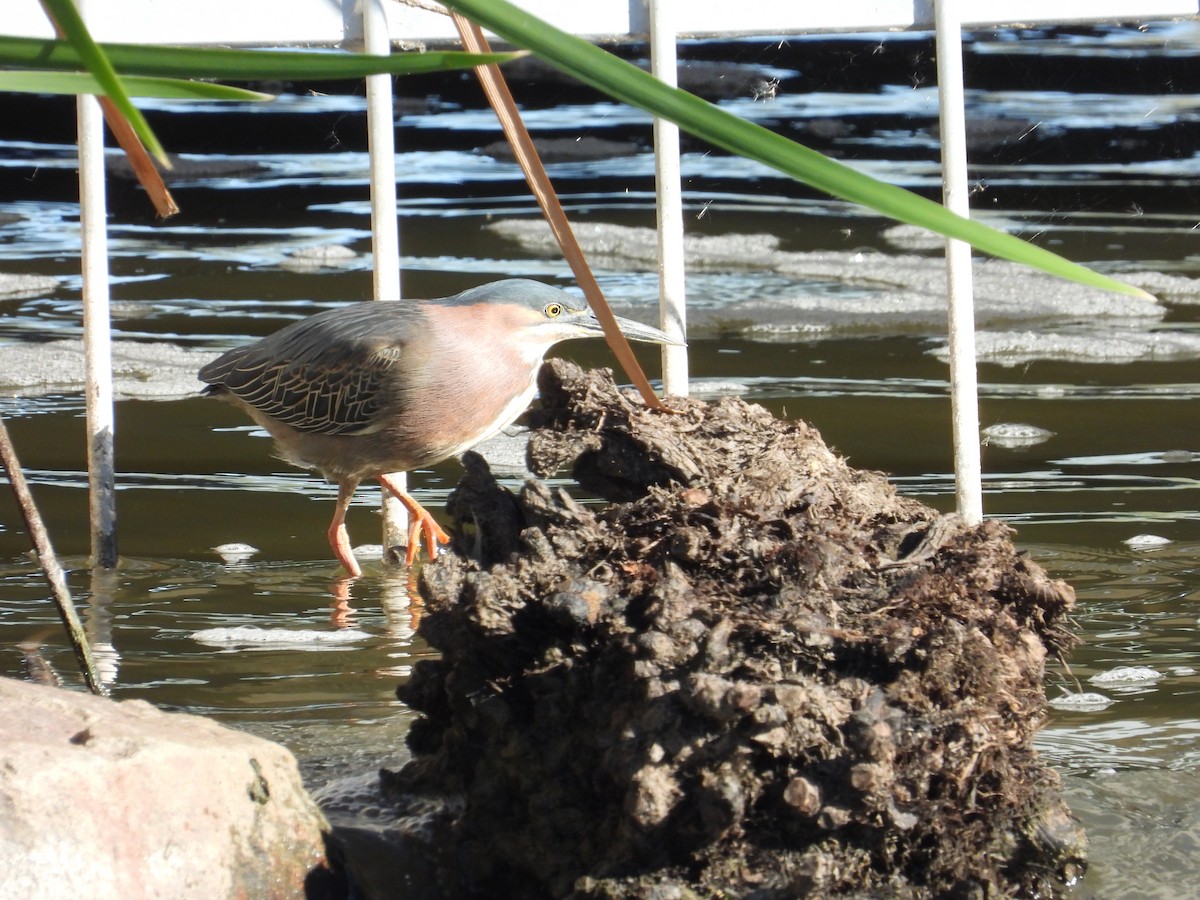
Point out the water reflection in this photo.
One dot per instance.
(396, 591)
(98, 625)
(1158, 821)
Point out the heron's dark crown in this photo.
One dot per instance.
(517, 291)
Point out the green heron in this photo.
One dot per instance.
(372, 388)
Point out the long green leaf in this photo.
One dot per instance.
(619, 79)
(66, 17)
(237, 65)
(34, 82)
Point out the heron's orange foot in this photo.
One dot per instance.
(426, 524)
(419, 522)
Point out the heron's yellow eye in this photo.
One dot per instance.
(553, 310)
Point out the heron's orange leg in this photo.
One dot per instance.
(339, 540)
(420, 521)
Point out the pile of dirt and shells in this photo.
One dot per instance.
(757, 672)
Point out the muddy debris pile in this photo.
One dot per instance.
(757, 672)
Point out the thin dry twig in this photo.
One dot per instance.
(143, 167)
(518, 136)
(49, 562)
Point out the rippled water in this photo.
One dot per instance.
(1087, 140)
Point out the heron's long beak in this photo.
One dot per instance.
(636, 331)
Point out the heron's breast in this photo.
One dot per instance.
(470, 398)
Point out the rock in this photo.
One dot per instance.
(157, 370)
(886, 293)
(1115, 345)
(712, 80)
(321, 256)
(566, 150)
(101, 799)
(190, 169)
(758, 671)
(17, 286)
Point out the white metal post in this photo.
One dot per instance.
(964, 387)
(672, 293)
(385, 226)
(97, 339)
(381, 146)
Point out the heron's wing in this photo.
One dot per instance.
(331, 373)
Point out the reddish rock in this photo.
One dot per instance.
(101, 799)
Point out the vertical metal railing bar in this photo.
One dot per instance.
(672, 274)
(964, 385)
(385, 225)
(97, 335)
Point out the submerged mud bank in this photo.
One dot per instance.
(1022, 314)
(757, 672)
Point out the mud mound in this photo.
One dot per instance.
(757, 673)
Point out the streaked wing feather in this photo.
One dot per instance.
(328, 374)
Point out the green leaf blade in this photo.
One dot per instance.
(36, 82)
(238, 65)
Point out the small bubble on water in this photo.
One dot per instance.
(234, 553)
(1146, 541)
(1082, 702)
(1126, 675)
(1015, 434)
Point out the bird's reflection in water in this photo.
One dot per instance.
(342, 615)
(398, 598)
(396, 590)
